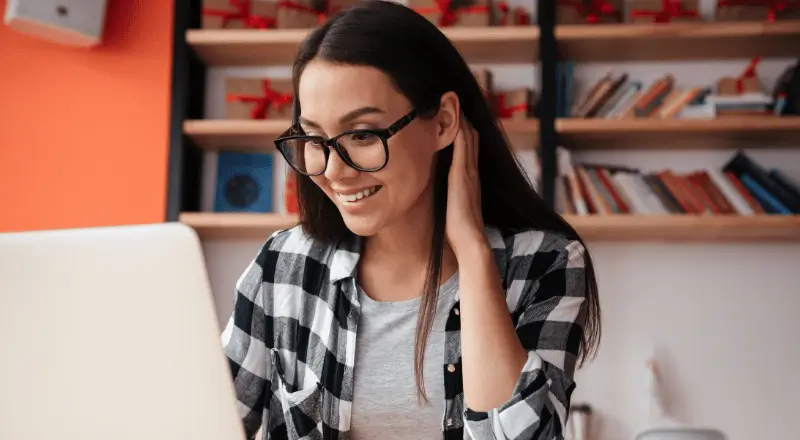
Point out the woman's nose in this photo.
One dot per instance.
(337, 169)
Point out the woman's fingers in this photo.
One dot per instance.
(460, 147)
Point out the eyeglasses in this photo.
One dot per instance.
(365, 150)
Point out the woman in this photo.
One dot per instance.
(428, 291)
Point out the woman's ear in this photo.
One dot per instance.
(448, 119)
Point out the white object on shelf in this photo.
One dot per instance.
(69, 22)
(706, 110)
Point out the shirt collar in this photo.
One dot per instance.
(347, 252)
(345, 258)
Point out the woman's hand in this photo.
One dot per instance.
(464, 225)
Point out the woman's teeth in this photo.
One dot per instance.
(350, 198)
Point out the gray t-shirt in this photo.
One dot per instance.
(385, 404)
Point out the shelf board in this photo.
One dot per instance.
(687, 228)
(269, 47)
(678, 41)
(248, 135)
(670, 228)
(724, 132)
(214, 225)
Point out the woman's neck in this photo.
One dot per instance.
(394, 261)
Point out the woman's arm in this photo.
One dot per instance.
(518, 378)
(491, 352)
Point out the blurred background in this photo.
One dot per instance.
(668, 134)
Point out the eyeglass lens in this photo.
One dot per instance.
(307, 154)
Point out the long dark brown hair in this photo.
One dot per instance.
(424, 64)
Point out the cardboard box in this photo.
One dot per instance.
(258, 98)
(224, 14)
(518, 16)
(514, 103)
(756, 13)
(657, 6)
(299, 14)
(569, 12)
(335, 6)
(265, 11)
(729, 86)
(466, 13)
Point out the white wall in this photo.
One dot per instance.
(720, 316)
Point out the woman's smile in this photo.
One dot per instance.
(355, 196)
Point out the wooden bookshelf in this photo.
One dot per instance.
(669, 228)
(687, 228)
(243, 135)
(213, 225)
(250, 47)
(704, 40)
(725, 132)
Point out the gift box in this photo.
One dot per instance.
(239, 14)
(518, 16)
(757, 10)
(334, 6)
(258, 98)
(594, 11)
(514, 103)
(746, 82)
(664, 11)
(225, 14)
(445, 13)
(300, 14)
(264, 13)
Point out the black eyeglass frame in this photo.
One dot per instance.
(383, 134)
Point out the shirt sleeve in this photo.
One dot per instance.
(551, 309)
(243, 344)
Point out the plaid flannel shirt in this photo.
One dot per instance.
(291, 339)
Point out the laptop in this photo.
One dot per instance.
(111, 333)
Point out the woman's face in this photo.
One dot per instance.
(337, 97)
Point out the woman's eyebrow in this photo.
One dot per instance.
(347, 117)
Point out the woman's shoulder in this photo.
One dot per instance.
(532, 243)
(286, 257)
(291, 240)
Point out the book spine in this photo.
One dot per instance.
(770, 203)
(754, 205)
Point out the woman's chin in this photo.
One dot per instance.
(362, 225)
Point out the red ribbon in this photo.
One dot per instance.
(503, 8)
(749, 72)
(448, 15)
(774, 7)
(321, 16)
(241, 12)
(269, 98)
(669, 9)
(507, 112)
(593, 12)
(521, 17)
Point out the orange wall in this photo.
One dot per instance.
(84, 132)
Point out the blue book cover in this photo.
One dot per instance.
(765, 199)
(244, 182)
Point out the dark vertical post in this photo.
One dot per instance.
(548, 56)
(186, 102)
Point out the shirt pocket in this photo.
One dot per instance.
(301, 409)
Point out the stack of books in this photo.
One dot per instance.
(617, 96)
(740, 187)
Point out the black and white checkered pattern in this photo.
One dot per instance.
(292, 336)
